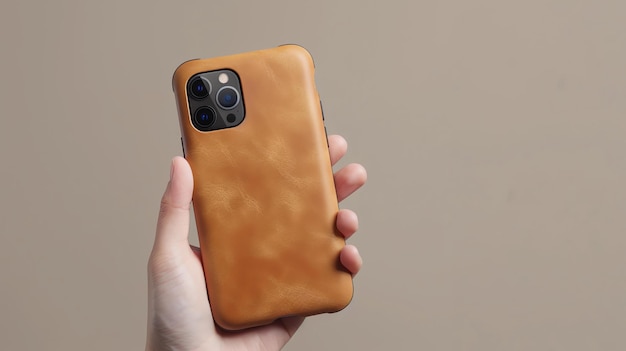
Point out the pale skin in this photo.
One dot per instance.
(179, 315)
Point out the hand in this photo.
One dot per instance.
(179, 315)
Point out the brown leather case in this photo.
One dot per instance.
(264, 196)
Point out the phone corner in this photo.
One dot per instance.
(299, 50)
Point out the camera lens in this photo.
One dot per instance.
(199, 88)
(204, 117)
(227, 98)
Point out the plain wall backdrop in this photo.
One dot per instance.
(494, 134)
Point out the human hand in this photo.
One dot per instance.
(179, 315)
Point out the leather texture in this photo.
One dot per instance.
(264, 196)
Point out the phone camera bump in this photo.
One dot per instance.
(199, 88)
(227, 97)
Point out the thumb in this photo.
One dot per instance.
(173, 224)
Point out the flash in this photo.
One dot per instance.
(223, 78)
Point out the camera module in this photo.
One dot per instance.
(215, 100)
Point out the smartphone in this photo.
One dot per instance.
(264, 197)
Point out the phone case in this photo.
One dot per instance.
(264, 196)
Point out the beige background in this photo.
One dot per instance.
(494, 133)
